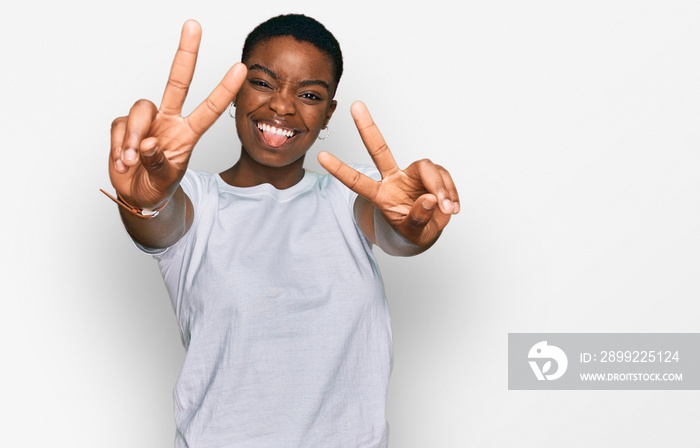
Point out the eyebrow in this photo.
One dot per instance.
(265, 70)
(273, 75)
(317, 82)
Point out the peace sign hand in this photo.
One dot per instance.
(417, 201)
(151, 147)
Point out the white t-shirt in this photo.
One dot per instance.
(282, 312)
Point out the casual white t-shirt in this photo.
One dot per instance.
(282, 313)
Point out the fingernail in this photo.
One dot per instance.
(429, 204)
(446, 204)
(150, 152)
(130, 155)
(456, 208)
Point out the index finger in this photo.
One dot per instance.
(373, 140)
(353, 179)
(182, 69)
(211, 108)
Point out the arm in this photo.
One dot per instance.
(405, 212)
(151, 148)
(166, 229)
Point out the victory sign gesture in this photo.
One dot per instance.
(417, 202)
(151, 147)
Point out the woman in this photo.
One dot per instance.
(269, 267)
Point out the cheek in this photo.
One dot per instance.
(239, 123)
(242, 124)
(245, 103)
(315, 118)
(248, 99)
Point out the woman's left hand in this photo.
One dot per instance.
(417, 201)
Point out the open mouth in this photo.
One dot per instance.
(275, 136)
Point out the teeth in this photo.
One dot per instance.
(267, 128)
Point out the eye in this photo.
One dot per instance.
(260, 83)
(311, 96)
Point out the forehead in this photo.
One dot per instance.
(290, 58)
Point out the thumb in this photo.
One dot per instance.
(153, 159)
(419, 217)
(152, 156)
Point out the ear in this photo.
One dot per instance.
(329, 114)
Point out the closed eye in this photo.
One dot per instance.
(259, 83)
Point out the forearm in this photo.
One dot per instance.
(164, 230)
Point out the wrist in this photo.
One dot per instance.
(142, 213)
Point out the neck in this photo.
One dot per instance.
(249, 173)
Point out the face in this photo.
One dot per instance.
(285, 101)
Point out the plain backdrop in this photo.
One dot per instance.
(570, 127)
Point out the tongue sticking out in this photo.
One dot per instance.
(273, 139)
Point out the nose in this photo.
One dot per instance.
(282, 102)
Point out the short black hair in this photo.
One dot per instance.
(303, 29)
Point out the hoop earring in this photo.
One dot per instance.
(229, 110)
(328, 132)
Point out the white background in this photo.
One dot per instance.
(571, 129)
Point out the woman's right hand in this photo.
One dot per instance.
(151, 147)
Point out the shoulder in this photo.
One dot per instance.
(196, 181)
(198, 186)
